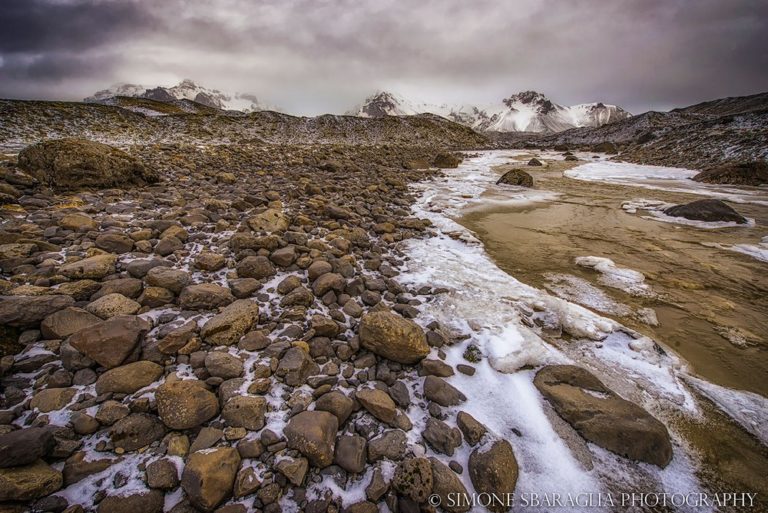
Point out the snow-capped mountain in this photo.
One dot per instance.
(528, 111)
(184, 90)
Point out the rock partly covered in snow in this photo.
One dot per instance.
(707, 210)
(601, 416)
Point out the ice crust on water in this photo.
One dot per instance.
(485, 303)
(665, 179)
(758, 251)
(578, 290)
(630, 281)
(748, 409)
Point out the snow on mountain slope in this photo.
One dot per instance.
(184, 90)
(528, 111)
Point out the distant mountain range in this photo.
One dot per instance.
(528, 111)
(184, 90)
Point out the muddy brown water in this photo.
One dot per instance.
(701, 292)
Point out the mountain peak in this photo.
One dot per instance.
(186, 89)
(533, 99)
(526, 111)
(528, 97)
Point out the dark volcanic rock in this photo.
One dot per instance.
(709, 210)
(413, 479)
(78, 163)
(602, 416)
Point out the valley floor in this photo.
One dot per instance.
(337, 327)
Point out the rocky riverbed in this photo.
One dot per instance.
(269, 327)
(231, 338)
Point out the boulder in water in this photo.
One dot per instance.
(708, 210)
(516, 177)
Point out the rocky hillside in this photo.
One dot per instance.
(527, 111)
(702, 136)
(26, 122)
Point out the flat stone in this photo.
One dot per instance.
(129, 378)
(28, 311)
(52, 399)
(94, 268)
(25, 446)
(378, 404)
(29, 482)
(112, 341)
(441, 392)
(602, 417)
(63, 323)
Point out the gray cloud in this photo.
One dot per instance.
(312, 56)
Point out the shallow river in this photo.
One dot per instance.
(669, 315)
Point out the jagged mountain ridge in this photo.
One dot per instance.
(527, 111)
(701, 136)
(184, 90)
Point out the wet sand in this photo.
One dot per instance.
(699, 291)
(703, 295)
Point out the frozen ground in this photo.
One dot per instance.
(494, 310)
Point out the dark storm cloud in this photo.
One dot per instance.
(47, 44)
(312, 56)
(45, 25)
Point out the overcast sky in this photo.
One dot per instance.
(315, 56)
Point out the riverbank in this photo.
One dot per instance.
(487, 301)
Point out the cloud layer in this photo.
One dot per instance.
(314, 56)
